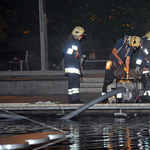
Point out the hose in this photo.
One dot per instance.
(40, 123)
(91, 103)
(11, 116)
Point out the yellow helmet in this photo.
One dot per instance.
(148, 35)
(77, 31)
(134, 41)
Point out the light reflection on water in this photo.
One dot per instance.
(89, 132)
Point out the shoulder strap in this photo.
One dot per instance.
(127, 52)
(121, 46)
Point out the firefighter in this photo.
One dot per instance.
(120, 55)
(143, 64)
(72, 55)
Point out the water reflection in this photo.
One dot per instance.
(90, 132)
(75, 137)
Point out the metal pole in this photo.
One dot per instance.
(43, 35)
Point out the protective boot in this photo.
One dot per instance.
(148, 92)
(104, 90)
(106, 83)
(146, 96)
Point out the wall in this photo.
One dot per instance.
(33, 87)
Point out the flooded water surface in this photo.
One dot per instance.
(90, 132)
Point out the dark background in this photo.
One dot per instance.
(105, 21)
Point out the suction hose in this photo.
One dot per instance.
(91, 103)
(11, 116)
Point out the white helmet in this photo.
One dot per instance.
(134, 41)
(148, 35)
(77, 31)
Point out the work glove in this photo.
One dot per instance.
(137, 71)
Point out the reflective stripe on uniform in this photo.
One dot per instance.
(70, 50)
(119, 95)
(103, 93)
(72, 70)
(144, 72)
(69, 92)
(146, 51)
(74, 47)
(73, 91)
(138, 61)
(147, 93)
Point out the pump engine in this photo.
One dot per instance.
(134, 91)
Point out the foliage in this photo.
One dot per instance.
(104, 21)
(3, 26)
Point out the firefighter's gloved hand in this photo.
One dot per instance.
(137, 70)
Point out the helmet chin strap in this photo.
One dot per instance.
(127, 41)
(75, 37)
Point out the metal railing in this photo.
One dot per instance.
(94, 60)
(86, 61)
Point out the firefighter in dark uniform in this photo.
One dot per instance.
(121, 54)
(143, 63)
(72, 54)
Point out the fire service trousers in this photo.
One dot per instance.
(109, 75)
(146, 84)
(73, 87)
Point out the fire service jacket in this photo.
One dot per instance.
(71, 61)
(143, 57)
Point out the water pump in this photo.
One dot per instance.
(134, 91)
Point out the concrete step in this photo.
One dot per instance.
(90, 90)
(92, 85)
(94, 80)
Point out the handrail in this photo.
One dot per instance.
(94, 60)
(87, 61)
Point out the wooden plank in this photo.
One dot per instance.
(25, 140)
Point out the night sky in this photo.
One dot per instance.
(104, 21)
(99, 18)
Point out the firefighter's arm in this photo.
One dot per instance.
(127, 66)
(139, 62)
(139, 58)
(114, 52)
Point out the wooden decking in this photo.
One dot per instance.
(51, 108)
(26, 140)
